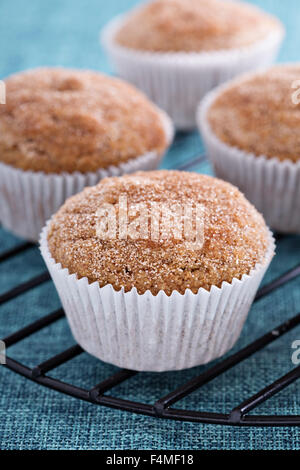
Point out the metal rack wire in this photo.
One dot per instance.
(163, 408)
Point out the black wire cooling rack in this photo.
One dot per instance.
(163, 407)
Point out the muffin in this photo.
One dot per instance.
(176, 51)
(251, 130)
(155, 295)
(62, 130)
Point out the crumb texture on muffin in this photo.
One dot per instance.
(194, 26)
(62, 120)
(258, 115)
(235, 235)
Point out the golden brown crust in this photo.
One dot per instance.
(60, 120)
(235, 235)
(257, 114)
(195, 26)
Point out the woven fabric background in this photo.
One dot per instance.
(65, 32)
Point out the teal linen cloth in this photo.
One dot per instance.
(65, 32)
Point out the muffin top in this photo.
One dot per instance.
(157, 251)
(257, 114)
(59, 120)
(194, 26)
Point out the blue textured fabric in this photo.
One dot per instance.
(65, 32)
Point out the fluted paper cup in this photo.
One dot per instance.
(273, 186)
(155, 333)
(177, 81)
(28, 199)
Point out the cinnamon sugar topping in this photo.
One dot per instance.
(235, 235)
(195, 26)
(59, 120)
(258, 115)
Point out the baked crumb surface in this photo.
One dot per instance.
(235, 235)
(257, 114)
(194, 26)
(62, 120)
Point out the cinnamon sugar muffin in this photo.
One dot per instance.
(257, 115)
(59, 120)
(256, 124)
(157, 291)
(61, 130)
(176, 51)
(194, 26)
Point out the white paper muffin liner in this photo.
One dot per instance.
(155, 333)
(176, 82)
(28, 199)
(273, 186)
